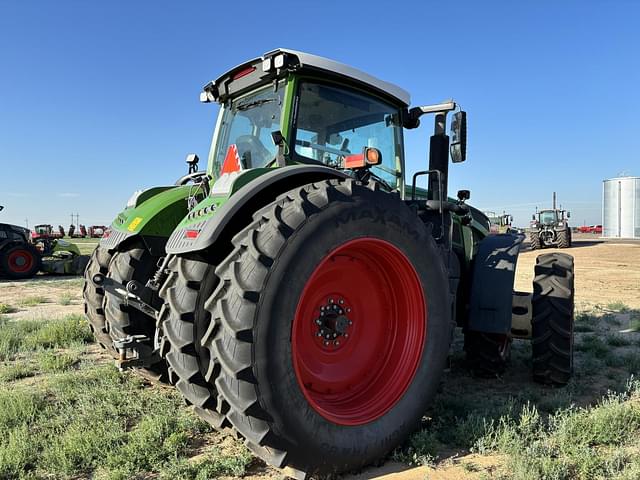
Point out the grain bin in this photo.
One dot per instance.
(621, 207)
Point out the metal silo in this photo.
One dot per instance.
(621, 207)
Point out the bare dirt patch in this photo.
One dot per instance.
(604, 272)
(42, 297)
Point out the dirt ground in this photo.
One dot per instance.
(605, 273)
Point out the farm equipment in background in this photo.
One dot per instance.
(96, 231)
(550, 228)
(298, 290)
(80, 232)
(500, 223)
(22, 256)
(595, 229)
(46, 231)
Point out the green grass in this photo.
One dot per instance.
(33, 300)
(618, 306)
(592, 442)
(6, 308)
(78, 419)
(55, 362)
(66, 299)
(31, 335)
(96, 420)
(10, 372)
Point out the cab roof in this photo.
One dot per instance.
(296, 60)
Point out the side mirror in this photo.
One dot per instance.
(458, 148)
(464, 195)
(533, 217)
(192, 160)
(568, 214)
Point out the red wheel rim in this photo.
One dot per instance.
(20, 261)
(359, 331)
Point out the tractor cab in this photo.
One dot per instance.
(551, 217)
(295, 108)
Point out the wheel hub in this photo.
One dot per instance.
(332, 326)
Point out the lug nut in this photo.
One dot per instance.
(337, 342)
(341, 301)
(331, 300)
(350, 322)
(318, 321)
(326, 344)
(348, 310)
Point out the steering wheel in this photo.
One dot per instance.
(258, 153)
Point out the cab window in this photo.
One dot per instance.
(334, 122)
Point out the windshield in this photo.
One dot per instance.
(335, 122)
(548, 217)
(247, 124)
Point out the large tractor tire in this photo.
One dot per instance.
(184, 320)
(135, 263)
(552, 319)
(564, 239)
(488, 354)
(330, 327)
(20, 261)
(534, 241)
(94, 298)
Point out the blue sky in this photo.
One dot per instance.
(98, 99)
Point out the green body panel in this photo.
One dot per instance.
(156, 213)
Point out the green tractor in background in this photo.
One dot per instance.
(298, 290)
(550, 228)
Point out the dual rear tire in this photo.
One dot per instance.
(304, 348)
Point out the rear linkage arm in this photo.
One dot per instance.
(145, 299)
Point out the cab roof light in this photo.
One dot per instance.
(243, 73)
(191, 233)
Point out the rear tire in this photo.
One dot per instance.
(552, 319)
(184, 320)
(256, 332)
(94, 298)
(135, 263)
(534, 241)
(20, 261)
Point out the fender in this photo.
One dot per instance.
(157, 211)
(227, 219)
(492, 279)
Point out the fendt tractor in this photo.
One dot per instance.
(550, 228)
(298, 290)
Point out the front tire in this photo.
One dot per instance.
(329, 328)
(552, 319)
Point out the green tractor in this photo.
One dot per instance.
(550, 228)
(298, 290)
